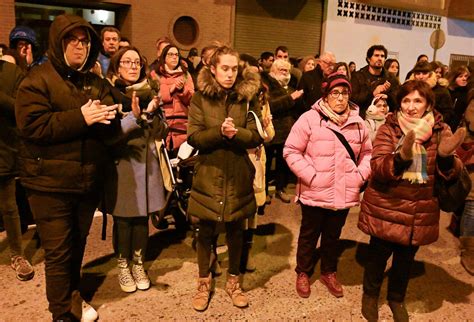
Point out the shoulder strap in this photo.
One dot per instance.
(345, 143)
(260, 129)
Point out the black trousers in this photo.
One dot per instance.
(63, 222)
(131, 238)
(281, 167)
(208, 230)
(399, 275)
(317, 222)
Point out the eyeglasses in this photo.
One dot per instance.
(335, 94)
(75, 41)
(172, 54)
(129, 63)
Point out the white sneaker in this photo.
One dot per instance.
(140, 276)
(126, 281)
(81, 309)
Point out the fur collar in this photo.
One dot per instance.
(246, 85)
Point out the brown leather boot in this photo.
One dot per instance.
(399, 311)
(232, 287)
(467, 254)
(201, 298)
(370, 307)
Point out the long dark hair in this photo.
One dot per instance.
(115, 63)
(389, 62)
(160, 69)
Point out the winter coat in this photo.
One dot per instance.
(10, 78)
(176, 106)
(310, 83)
(222, 187)
(396, 210)
(282, 107)
(134, 186)
(364, 83)
(59, 152)
(459, 99)
(327, 176)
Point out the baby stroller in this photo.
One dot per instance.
(180, 172)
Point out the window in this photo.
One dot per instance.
(186, 30)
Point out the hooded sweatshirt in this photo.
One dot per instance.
(59, 152)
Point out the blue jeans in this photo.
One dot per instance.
(467, 219)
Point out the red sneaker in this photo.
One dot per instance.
(333, 285)
(303, 287)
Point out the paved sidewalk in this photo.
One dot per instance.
(440, 289)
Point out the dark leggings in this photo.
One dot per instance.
(131, 238)
(206, 238)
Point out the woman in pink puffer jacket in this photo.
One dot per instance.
(329, 181)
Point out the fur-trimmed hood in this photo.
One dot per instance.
(246, 85)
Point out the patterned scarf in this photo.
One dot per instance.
(338, 119)
(423, 129)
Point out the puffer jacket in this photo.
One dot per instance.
(176, 106)
(327, 176)
(10, 78)
(282, 107)
(222, 187)
(59, 152)
(393, 209)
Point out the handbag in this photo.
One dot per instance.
(351, 153)
(453, 193)
(255, 156)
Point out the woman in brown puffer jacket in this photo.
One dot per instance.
(399, 209)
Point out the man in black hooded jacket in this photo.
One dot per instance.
(63, 113)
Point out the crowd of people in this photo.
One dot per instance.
(81, 125)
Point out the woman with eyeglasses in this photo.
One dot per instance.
(176, 89)
(135, 187)
(329, 177)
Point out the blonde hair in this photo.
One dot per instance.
(280, 63)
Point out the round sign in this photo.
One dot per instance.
(437, 39)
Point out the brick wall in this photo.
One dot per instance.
(7, 18)
(148, 20)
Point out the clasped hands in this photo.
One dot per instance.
(447, 144)
(228, 128)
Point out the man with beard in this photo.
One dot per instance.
(282, 100)
(373, 80)
(311, 81)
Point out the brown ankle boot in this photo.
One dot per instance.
(201, 299)
(232, 287)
